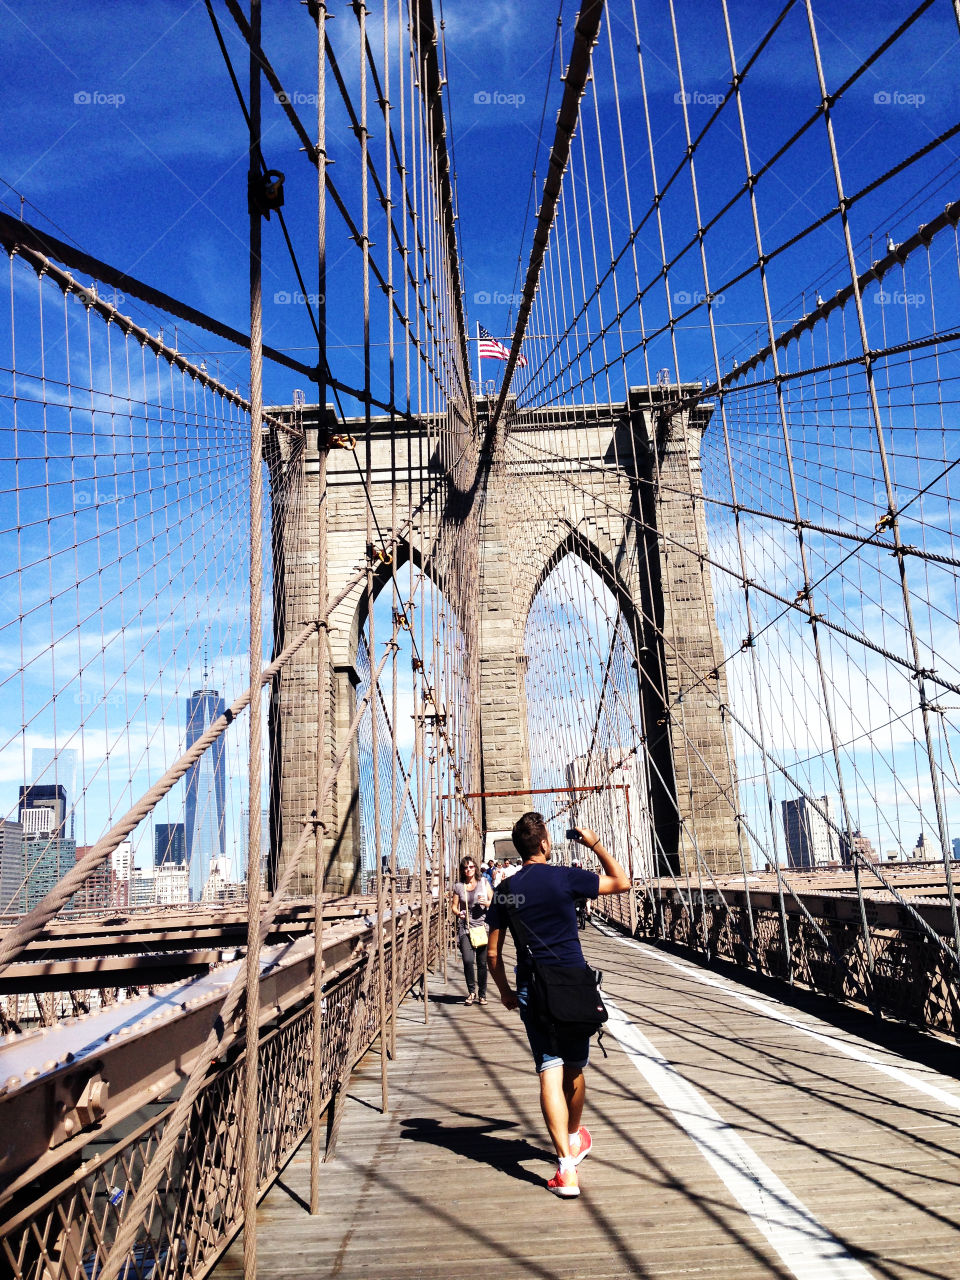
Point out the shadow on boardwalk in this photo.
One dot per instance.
(450, 1184)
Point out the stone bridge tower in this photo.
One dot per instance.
(631, 517)
(409, 461)
(507, 523)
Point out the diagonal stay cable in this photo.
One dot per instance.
(575, 82)
(795, 606)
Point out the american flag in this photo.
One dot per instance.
(492, 348)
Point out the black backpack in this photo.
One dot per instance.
(564, 999)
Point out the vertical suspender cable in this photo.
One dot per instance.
(361, 11)
(251, 1119)
(388, 212)
(323, 661)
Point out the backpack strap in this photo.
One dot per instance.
(518, 932)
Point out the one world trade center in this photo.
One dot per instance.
(206, 790)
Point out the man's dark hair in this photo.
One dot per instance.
(527, 834)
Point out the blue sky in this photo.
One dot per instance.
(122, 130)
(150, 173)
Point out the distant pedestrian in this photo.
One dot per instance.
(470, 901)
(544, 898)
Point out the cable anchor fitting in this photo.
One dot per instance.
(378, 555)
(343, 442)
(885, 521)
(265, 192)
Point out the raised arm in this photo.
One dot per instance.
(614, 878)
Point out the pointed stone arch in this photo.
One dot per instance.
(656, 741)
(406, 465)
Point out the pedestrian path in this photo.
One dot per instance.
(734, 1137)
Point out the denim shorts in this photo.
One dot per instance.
(568, 1051)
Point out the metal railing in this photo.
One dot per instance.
(69, 1230)
(905, 971)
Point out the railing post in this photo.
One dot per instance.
(425, 887)
(632, 901)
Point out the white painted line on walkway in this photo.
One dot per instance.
(806, 1247)
(771, 1008)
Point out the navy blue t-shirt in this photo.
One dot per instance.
(544, 898)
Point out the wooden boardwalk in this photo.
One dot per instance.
(734, 1137)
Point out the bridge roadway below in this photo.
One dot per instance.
(735, 1136)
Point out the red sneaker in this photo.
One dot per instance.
(565, 1183)
(583, 1145)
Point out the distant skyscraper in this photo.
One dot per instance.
(43, 809)
(811, 840)
(925, 850)
(121, 860)
(956, 847)
(172, 885)
(169, 844)
(121, 870)
(219, 887)
(46, 858)
(142, 887)
(13, 892)
(52, 766)
(206, 790)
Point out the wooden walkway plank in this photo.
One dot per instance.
(450, 1184)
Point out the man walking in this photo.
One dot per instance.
(544, 899)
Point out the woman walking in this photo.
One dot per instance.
(470, 900)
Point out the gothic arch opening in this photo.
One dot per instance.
(585, 713)
(417, 728)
